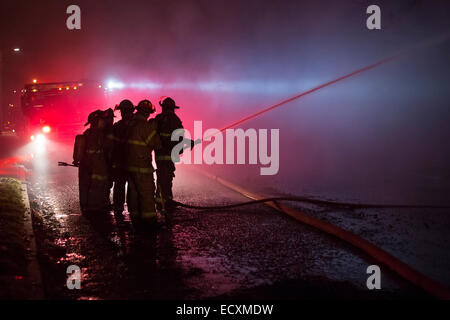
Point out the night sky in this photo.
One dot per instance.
(386, 129)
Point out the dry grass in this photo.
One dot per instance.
(12, 245)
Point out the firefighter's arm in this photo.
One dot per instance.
(176, 124)
(79, 149)
(188, 143)
(152, 139)
(109, 143)
(196, 142)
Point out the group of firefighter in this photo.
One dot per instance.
(112, 155)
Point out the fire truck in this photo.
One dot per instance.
(59, 110)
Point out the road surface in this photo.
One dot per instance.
(249, 252)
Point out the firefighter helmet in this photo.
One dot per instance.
(125, 105)
(109, 113)
(167, 102)
(93, 116)
(146, 106)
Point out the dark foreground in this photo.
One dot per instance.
(251, 252)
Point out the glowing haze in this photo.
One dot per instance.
(223, 60)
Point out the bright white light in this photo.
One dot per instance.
(145, 85)
(16, 49)
(267, 86)
(39, 153)
(112, 84)
(38, 142)
(40, 139)
(46, 129)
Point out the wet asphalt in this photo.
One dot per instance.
(251, 252)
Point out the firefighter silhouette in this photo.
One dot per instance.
(142, 139)
(118, 136)
(90, 152)
(109, 116)
(167, 121)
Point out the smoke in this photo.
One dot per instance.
(223, 60)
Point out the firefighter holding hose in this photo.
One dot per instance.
(90, 152)
(142, 139)
(167, 122)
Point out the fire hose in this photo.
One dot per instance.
(402, 269)
(433, 41)
(375, 252)
(335, 204)
(65, 164)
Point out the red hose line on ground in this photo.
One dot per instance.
(401, 268)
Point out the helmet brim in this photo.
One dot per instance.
(172, 107)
